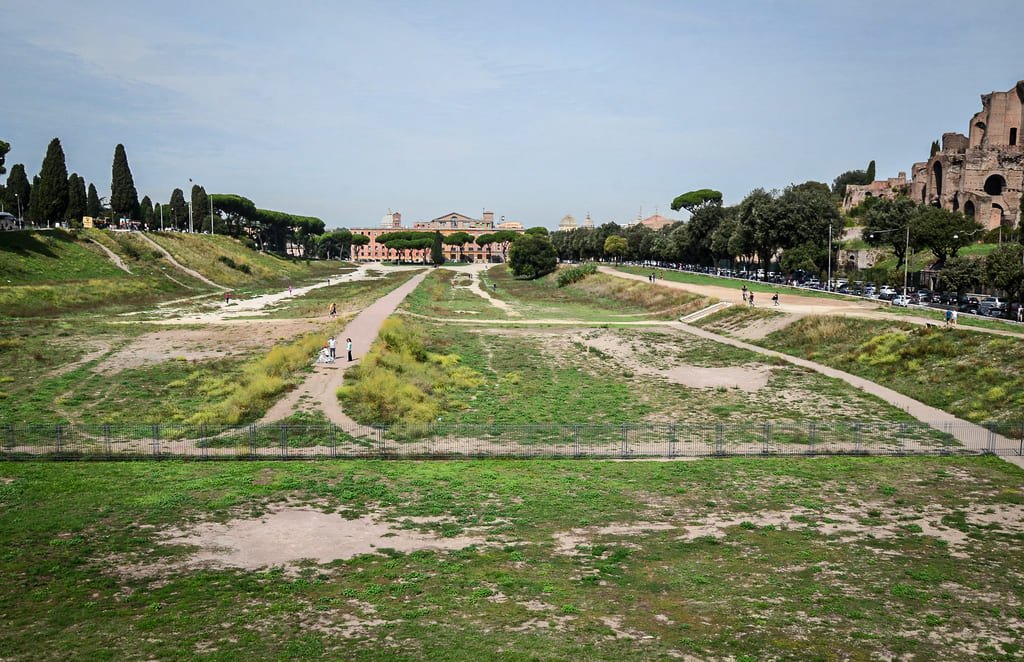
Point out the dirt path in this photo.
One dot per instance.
(321, 386)
(114, 257)
(474, 286)
(178, 265)
(796, 306)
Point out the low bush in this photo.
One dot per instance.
(570, 275)
(238, 266)
(246, 396)
(400, 382)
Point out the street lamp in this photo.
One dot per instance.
(188, 203)
(828, 283)
(906, 253)
(18, 198)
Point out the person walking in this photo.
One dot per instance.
(744, 294)
(332, 345)
(956, 315)
(227, 298)
(334, 310)
(949, 316)
(1020, 313)
(750, 299)
(348, 347)
(775, 299)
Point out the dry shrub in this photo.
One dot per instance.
(818, 329)
(400, 382)
(245, 397)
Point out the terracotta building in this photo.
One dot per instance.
(981, 174)
(447, 224)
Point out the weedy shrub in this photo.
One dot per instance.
(238, 266)
(246, 396)
(400, 382)
(884, 349)
(570, 275)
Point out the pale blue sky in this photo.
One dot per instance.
(532, 110)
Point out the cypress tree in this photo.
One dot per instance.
(200, 208)
(92, 205)
(158, 217)
(436, 251)
(76, 201)
(124, 199)
(19, 192)
(50, 197)
(179, 212)
(33, 213)
(4, 148)
(146, 213)
(870, 173)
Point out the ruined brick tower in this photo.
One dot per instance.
(981, 175)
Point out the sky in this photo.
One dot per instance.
(531, 110)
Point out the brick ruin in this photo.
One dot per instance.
(982, 174)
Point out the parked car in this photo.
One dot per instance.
(902, 300)
(992, 307)
(969, 305)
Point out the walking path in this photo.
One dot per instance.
(178, 265)
(322, 385)
(114, 257)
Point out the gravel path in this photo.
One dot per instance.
(326, 378)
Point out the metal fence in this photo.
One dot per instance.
(449, 441)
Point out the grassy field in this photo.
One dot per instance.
(976, 376)
(838, 558)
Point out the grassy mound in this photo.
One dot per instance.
(976, 376)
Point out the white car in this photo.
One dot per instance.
(886, 289)
(902, 300)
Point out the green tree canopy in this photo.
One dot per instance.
(50, 198)
(962, 274)
(200, 208)
(886, 223)
(943, 232)
(616, 246)
(1004, 269)
(5, 147)
(540, 230)
(692, 201)
(532, 256)
(124, 199)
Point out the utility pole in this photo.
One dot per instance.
(828, 283)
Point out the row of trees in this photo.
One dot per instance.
(53, 196)
(788, 230)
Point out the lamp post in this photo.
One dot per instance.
(161, 218)
(828, 283)
(188, 203)
(906, 254)
(17, 197)
(210, 198)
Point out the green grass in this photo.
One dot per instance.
(597, 298)
(350, 297)
(976, 376)
(92, 577)
(261, 271)
(737, 284)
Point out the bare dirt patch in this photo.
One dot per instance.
(288, 535)
(211, 342)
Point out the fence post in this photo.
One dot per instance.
(380, 440)
(252, 440)
(625, 442)
(719, 438)
(856, 438)
(991, 438)
(671, 440)
(9, 438)
(106, 439)
(766, 438)
(156, 440)
(576, 441)
(334, 440)
(903, 432)
(812, 435)
(57, 445)
(204, 442)
(284, 440)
